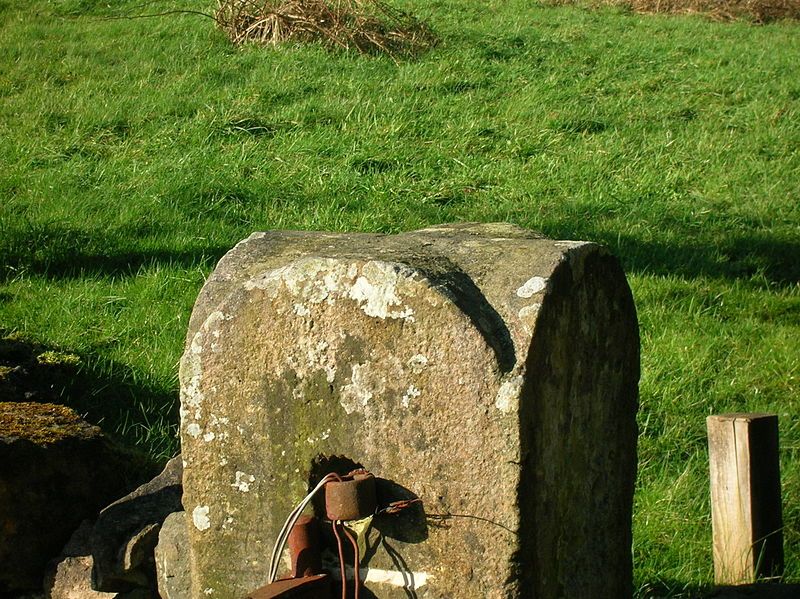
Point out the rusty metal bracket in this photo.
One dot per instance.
(307, 587)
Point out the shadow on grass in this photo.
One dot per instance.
(140, 416)
(56, 251)
(731, 257)
(670, 589)
(67, 262)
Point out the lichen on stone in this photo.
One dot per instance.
(531, 287)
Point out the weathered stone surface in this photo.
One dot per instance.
(172, 558)
(55, 471)
(70, 575)
(126, 532)
(72, 579)
(488, 371)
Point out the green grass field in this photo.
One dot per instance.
(135, 153)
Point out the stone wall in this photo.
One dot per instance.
(485, 370)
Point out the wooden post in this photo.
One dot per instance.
(745, 497)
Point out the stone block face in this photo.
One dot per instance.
(172, 558)
(126, 532)
(483, 369)
(55, 471)
(69, 576)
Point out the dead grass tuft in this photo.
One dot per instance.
(759, 11)
(367, 26)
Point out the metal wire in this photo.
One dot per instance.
(357, 573)
(295, 514)
(335, 525)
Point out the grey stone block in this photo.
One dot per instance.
(486, 370)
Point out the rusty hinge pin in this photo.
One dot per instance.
(274, 561)
(304, 547)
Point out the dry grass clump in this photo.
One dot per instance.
(759, 11)
(367, 26)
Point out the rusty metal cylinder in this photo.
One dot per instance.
(351, 498)
(304, 547)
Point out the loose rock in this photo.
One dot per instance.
(172, 558)
(126, 532)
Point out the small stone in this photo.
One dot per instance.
(72, 579)
(172, 558)
(126, 532)
(69, 576)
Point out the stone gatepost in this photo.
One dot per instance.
(486, 370)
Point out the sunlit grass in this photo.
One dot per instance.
(134, 153)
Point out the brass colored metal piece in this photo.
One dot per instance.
(307, 587)
(352, 498)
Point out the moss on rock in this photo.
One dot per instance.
(42, 424)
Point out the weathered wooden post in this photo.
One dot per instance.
(745, 497)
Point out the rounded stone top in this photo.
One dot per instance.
(42, 423)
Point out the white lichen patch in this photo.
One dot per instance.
(316, 279)
(191, 375)
(212, 326)
(377, 291)
(532, 286)
(529, 312)
(311, 355)
(200, 517)
(411, 393)
(508, 395)
(569, 244)
(417, 363)
(319, 356)
(411, 581)
(216, 421)
(268, 281)
(356, 394)
(191, 381)
(209, 437)
(301, 310)
(323, 436)
(243, 481)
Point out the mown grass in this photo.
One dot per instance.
(134, 153)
